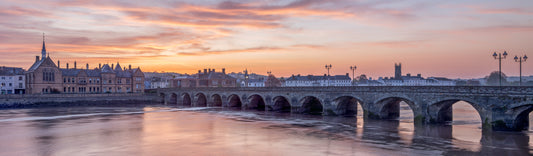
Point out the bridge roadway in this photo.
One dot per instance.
(500, 108)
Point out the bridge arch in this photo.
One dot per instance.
(520, 117)
(442, 111)
(217, 100)
(173, 99)
(256, 102)
(311, 105)
(201, 100)
(280, 104)
(186, 99)
(389, 107)
(345, 105)
(234, 101)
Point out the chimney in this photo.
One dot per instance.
(58, 66)
(112, 66)
(223, 70)
(213, 70)
(99, 66)
(124, 68)
(348, 74)
(36, 58)
(419, 75)
(209, 70)
(199, 71)
(129, 66)
(74, 64)
(408, 75)
(87, 66)
(67, 65)
(205, 71)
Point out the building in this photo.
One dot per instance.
(45, 77)
(409, 80)
(158, 82)
(12, 80)
(311, 80)
(211, 78)
(254, 82)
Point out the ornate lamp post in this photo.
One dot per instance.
(353, 73)
(499, 57)
(520, 60)
(328, 67)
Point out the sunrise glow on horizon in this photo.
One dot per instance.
(452, 39)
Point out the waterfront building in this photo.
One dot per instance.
(45, 77)
(312, 80)
(211, 78)
(254, 82)
(12, 80)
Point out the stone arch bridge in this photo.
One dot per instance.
(500, 108)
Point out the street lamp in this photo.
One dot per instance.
(353, 73)
(520, 60)
(328, 67)
(499, 57)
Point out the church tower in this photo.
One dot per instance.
(398, 71)
(43, 50)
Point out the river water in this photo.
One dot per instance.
(161, 130)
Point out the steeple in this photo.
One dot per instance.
(43, 51)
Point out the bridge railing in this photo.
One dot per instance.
(522, 90)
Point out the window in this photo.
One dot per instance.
(10, 84)
(110, 81)
(137, 86)
(3, 78)
(119, 81)
(128, 81)
(20, 85)
(137, 79)
(3, 84)
(64, 89)
(20, 77)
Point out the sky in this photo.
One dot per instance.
(453, 38)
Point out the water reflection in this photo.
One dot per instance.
(166, 131)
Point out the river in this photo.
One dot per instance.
(162, 130)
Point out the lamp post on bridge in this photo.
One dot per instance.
(353, 73)
(499, 57)
(520, 60)
(328, 67)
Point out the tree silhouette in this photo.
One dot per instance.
(494, 79)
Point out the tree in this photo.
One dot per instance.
(362, 79)
(494, 79)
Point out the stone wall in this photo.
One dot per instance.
(43, 100)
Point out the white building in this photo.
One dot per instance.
(311, 80)
(254, 82)
(12, 80)
(158, 82)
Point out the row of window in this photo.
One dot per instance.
(10, 85)
(93, 89)
(11, 78)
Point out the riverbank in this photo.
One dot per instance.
(54, 100)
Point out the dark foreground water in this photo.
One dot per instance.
(215, 131)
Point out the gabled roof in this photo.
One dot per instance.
(40, 62)
(106, 69)
(118, 68)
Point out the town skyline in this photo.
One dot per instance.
(453, 39)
